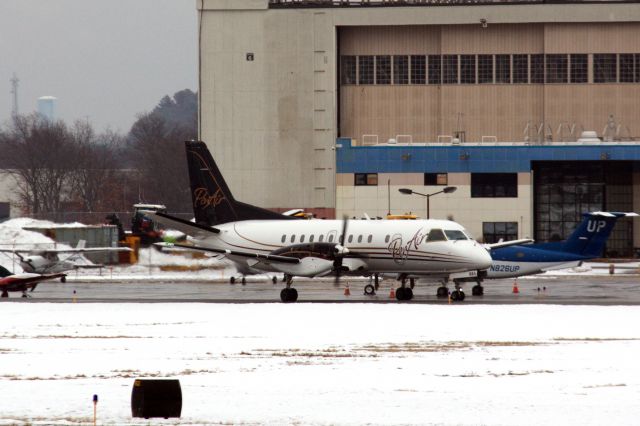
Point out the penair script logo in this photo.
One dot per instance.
(204, 199)
(400, 251)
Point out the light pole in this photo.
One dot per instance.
(446, 190)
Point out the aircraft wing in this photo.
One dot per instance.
(508, 243)
(190, 228)
(27, 279)
(262, 257)
(85, 250)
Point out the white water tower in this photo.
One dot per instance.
(47, 107)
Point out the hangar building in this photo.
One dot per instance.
(531, 109)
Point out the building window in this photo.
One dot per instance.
(556, 66)
(626, 68)
(435, 69)
(348, 69)
(605, 68)
(493, 232)
(383, 69)
(400, 70)
(468, 69)
(485, 69)
(435, 179)
(537, 69)
(366, 179)
(637, 67)
(521, 69)
(418, 69)
(579, 68)
(503, 69)
(365, 69)
(494, 185)
(449, 69)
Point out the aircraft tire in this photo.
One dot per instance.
(274, 280)
(369, 290)
(232, 280)
(400, 293)
(63, 279)
(244, 281)
(477, 290)
(442, 292)
(408, 293)
(412, 283)
(457, 295)
(289, 295)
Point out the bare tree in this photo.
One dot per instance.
(157, 147)
(41, 155)
(94, 180)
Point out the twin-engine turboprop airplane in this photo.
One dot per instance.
(585, 243)
(267, 241)
(47, 261)
(22, 282)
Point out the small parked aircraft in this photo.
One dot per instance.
(47, 261)
(271, 242)
(22, 282)
(586, 242)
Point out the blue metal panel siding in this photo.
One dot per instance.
(468, 159)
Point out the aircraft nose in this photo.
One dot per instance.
(482, 257)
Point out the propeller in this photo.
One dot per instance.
(340, 250)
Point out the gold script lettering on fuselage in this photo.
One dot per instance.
(400, 251)
(204, 199)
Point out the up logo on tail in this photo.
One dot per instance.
(595, 225)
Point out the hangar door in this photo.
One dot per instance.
(563, 190)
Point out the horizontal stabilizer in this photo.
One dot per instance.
(508, 243)
(185, 226)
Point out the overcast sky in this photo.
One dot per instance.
(104, 60)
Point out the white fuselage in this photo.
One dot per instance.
(375, 246)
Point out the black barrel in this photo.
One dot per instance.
(156, 398)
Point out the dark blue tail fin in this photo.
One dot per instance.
(590, 236)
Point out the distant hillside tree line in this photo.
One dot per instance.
(70, 168)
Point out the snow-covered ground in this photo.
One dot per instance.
(324, 363)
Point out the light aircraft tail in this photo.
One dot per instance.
(590, 236)
(4, 272)
(213, 202)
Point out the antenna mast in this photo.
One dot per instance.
(14, 91)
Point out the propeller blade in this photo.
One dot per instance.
(337, 263)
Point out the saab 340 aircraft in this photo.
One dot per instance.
(47, 261)
(271, 242)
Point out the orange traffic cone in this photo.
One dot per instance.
(515, 288)
(347, 292)
(392, 294)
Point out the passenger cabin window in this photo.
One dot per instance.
(350, 238)
(436, 235)
(455, 235)
(311, 238)
(302, 238)
(359, 238)
(321, 238)
(386, 239)
(293, 238)
(331, 238)
(284, 238)
(370, 238)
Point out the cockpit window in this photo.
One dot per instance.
(455, 235)
(436, 235)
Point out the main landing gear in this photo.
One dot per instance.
(5, 293)
(289, 294)
(404, 293)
